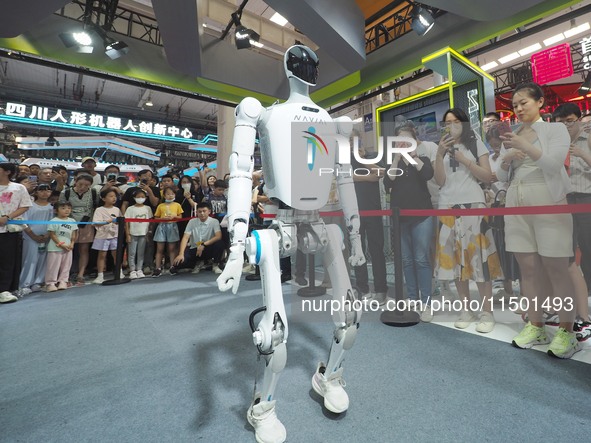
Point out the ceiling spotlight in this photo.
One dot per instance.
(586, 85)
(81, 41)
(244, 36)
(115, 49)
(422, 20)
(51, 140)
(149, 101)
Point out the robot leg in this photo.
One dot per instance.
(269, 336)
(328, 379)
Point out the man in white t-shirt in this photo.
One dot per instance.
(14, 202)
(201, 241)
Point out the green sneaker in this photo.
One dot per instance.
(530, 336)
(564, 344)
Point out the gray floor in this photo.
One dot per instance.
(172, 360)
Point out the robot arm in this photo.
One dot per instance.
(348, 198)
(240, 189)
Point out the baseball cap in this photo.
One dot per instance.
(85, 159)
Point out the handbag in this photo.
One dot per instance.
(11, 227)
(497, 221)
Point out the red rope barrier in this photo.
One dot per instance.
(520, 210)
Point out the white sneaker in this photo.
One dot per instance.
(133, 275)
(380, 297)
(267, 427)
(140, 274)
(465, 320)
(216, 269)
(7, 297)
(198, 267)
(121, 275)
(62, 285)
(486, 323)
(427, 314)
(335, 398)
(23, 291)
(35, 288)
(99, 280)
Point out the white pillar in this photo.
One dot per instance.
(226, 121)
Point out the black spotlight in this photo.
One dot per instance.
(585, 87)
(81, 41)
(243, 37)
(422, 20)
(115, 49)
(51, 140)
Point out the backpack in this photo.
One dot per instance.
(67, 194)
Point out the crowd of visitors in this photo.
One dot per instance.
(177, 222)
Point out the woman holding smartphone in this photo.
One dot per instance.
(542, 244)
(465, 247)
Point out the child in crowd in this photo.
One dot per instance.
(167, 232)
(136, 234)
(106, 235)
(62, 237)
(35, 242)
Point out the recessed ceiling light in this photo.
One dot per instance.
(555, 39)
(279, 19)
(489, 66)
(577, 30)
(509, 57)
(530, 49)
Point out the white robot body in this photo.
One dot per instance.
(292, 175)
(297, 141)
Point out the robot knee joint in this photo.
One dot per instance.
(345, 336)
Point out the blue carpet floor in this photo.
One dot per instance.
(172, 360)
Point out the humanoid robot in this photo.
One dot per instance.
(291, 168)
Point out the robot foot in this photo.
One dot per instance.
(331, 388)
(267, 427)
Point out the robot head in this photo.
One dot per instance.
(302, 63)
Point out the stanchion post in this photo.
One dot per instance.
(311, 290)
(117, 280)
(396, 317)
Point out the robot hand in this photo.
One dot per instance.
(356, 258)
(230, 278)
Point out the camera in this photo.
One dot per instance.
(144, 181)
(111, 177)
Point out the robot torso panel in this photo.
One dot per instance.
(296, 154)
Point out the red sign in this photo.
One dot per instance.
(552, 64)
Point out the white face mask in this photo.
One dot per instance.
(169, 200)
(456, 130)
(139, 200)
(186, 186)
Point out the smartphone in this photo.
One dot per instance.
(504, 128)
(111, 177)
(144, 181)
(445, 131)
(32, 178)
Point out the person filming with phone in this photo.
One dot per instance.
(465, 250)
(152, 193)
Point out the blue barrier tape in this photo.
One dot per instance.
(60, 222)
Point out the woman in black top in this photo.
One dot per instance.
(187, 196)
(408, 190)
